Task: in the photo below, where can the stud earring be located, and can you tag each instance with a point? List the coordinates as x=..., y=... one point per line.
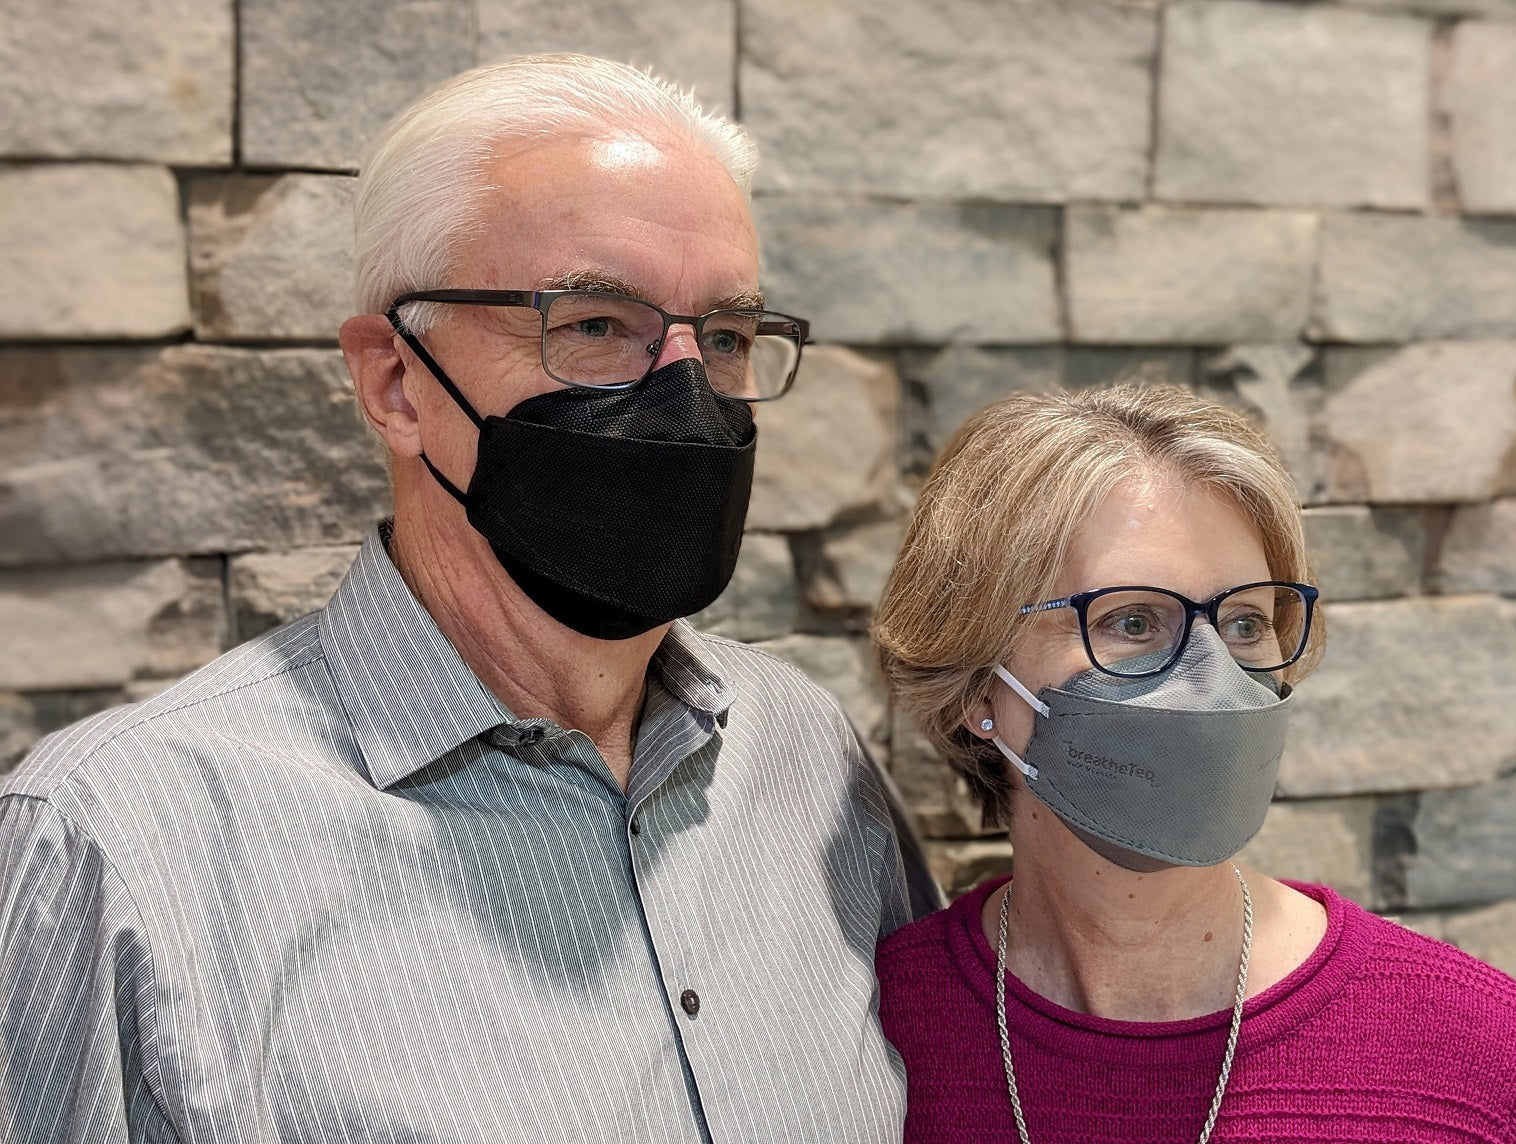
x=987, y=724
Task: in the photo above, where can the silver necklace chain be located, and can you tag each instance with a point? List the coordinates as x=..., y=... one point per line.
x=1231, y=1040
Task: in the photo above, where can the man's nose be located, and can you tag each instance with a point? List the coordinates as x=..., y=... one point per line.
x=679, y=342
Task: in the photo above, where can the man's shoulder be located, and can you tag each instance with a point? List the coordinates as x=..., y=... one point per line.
x=254, y=676
x=755, y=669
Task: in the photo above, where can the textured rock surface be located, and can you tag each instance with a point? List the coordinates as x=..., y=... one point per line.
x=1479, y=549
x=947, y=386
x=692, y=42
x=1411, y=694
x=1028, y=102
x=1332, y=110
x=79, y=78
x=26, y=718
x=951, y=383
x=1265, y=380
x=1480, y=101
x=266, y=589
x=847, y=568
x=940, y=800
x=826, y=448
x=960, y=866
x=1396, y=278
x=91, y=251
x=1503, y=8
x=1159, y=275
x=188, y=449
x=761, y=601
x=271, y=257
x=18, y=728
x=900, y=272
x=103, y=624
x=1464, y=851
x=1329, y=840
x=1364, y=553
x=319, y=80
x=1085, y=366
x=1435, y=421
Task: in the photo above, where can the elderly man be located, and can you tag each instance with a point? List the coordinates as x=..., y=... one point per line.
x=494, y=846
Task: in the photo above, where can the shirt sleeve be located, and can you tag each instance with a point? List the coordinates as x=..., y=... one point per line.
x=923, y=894
x=75, y=988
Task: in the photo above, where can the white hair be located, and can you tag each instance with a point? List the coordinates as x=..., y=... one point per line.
x=422, y=183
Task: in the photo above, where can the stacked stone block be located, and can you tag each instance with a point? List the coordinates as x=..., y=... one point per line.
x=1305, y=210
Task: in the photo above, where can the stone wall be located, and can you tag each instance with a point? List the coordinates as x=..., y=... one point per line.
x=1305, y=210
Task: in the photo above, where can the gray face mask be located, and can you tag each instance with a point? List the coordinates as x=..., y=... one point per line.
x=1171, y=769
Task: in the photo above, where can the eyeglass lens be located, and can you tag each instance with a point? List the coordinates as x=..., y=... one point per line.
x=599, y=339
x=1263, y=627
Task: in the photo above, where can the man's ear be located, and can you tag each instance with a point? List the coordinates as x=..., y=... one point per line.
x=378, y=370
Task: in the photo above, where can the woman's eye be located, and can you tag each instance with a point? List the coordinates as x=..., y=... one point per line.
x=1247, y=628
x=1133, y=625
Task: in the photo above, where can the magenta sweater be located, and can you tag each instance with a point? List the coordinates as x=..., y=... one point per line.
x=1383, y=1035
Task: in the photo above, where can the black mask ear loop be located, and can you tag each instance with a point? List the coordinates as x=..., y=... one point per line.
x=410, y=339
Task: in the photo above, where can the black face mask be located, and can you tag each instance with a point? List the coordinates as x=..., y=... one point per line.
x=615, y=511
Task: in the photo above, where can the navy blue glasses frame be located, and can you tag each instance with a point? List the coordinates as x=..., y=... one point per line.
x=1081, y=601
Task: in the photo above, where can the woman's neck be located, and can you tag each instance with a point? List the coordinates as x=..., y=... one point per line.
x=1097, y=938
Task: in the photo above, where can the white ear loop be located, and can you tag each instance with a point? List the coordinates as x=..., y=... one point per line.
x=1015, y=685
x=1036, y=704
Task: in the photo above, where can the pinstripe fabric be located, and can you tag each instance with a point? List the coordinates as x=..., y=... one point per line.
x=328, y=889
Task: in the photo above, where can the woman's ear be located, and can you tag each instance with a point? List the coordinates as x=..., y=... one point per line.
x=980, y=720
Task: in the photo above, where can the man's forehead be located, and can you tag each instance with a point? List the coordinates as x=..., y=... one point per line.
x=653, y=217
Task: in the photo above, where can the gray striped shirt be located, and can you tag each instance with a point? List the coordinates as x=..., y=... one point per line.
x=328, y=889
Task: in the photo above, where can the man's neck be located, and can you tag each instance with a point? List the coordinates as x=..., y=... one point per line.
x=535, y=666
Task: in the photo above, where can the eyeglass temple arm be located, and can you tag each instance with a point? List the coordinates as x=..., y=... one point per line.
x=430, y=362
x=1045, y=606
x=524, y=298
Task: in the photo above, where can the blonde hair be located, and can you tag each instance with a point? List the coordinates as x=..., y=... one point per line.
x=995, y=521
x=422, y=182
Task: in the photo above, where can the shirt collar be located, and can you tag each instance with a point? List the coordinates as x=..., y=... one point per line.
x=408, y=694
x=684, y=664
x=410, y=697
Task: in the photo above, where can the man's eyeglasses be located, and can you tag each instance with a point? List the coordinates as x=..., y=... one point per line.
x=1135, y=631
x=600, y=340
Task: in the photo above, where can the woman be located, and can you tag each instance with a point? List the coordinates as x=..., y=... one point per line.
x=1097, y=616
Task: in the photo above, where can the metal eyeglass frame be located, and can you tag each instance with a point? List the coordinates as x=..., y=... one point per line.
x=540, y=300
x=1081, y=601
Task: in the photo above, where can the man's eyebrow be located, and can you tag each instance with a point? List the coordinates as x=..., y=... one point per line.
x=614, y=284
x=592, y=280
x=747, y=300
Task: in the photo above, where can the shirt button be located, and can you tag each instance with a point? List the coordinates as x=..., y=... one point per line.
x=636, y=827
x=689, y=1001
